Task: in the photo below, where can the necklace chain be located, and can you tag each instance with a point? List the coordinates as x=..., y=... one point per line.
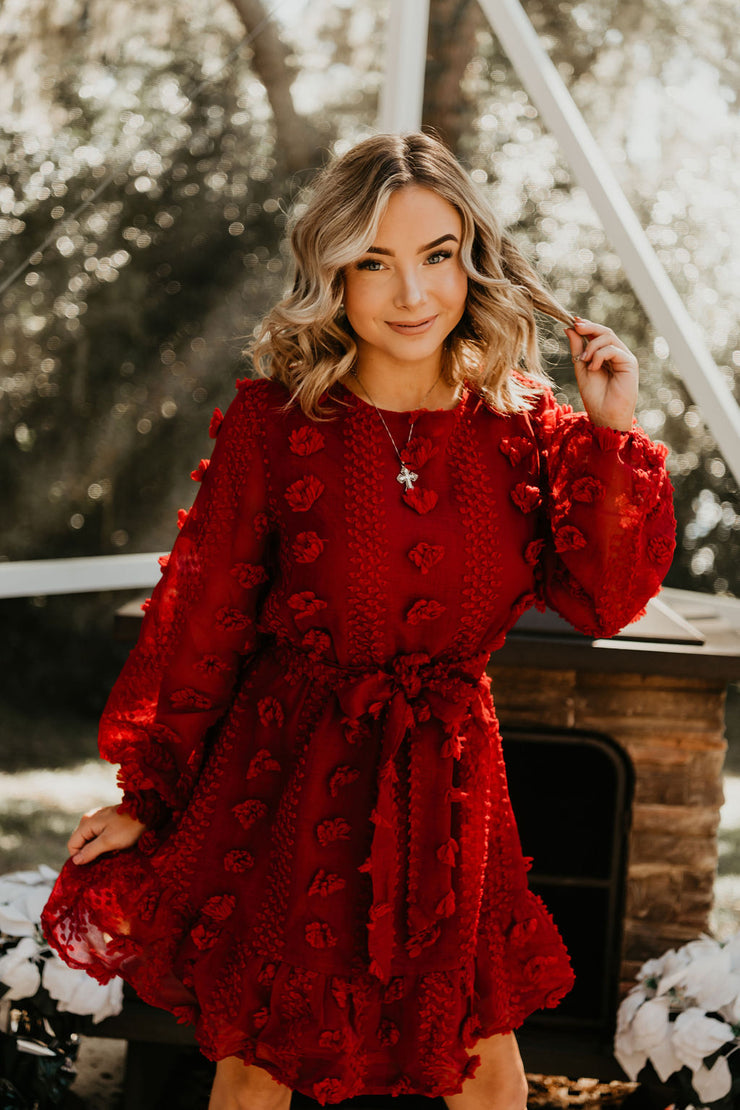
x=405, y=476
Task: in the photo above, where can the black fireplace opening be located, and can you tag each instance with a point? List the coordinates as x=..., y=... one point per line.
x=572, y=797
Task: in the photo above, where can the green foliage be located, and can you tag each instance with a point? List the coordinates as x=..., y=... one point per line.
x=127, y=328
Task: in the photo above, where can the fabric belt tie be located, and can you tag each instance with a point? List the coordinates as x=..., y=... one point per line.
x=401, y=697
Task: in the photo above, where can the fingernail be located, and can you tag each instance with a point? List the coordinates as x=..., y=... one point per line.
x=77, y=858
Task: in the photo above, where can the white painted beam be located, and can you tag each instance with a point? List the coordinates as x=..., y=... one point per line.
x=662, y=303
x=40, y=577
x=402, y=94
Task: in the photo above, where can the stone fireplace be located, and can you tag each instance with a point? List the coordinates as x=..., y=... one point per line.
x=653, y=699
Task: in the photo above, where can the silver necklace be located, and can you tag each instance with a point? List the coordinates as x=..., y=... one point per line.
x=405, y=476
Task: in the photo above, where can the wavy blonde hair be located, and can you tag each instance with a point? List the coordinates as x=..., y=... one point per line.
x=306, y=342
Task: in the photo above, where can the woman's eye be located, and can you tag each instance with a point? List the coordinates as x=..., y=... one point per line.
x=439, y=256
x=370, y=264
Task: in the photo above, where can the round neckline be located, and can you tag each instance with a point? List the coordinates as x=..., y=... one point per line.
x=464, y=394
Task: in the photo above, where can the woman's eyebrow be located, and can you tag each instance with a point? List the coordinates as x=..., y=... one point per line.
x=427, y=247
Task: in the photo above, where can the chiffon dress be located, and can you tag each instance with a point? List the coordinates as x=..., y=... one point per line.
x=331, y=884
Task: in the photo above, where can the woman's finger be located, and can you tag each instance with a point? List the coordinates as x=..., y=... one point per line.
x=619, y=358
x=600, y=346
x=586, y=328
x=577, y=345
x=92, y=850
x=92, y=824
x=598, y=343
x=84, y=832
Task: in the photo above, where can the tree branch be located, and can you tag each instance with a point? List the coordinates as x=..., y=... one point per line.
x=296, y=140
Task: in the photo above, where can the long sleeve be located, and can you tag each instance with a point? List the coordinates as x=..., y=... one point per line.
x=609, y=526
x=199, y=624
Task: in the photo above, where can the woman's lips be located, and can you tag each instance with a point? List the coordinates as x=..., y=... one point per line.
x=414, y=328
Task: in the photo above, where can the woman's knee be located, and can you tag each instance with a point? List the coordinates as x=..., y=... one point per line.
x=499, y=1081
x=238, y=1086
x=509, y=1092
x=519, y=1094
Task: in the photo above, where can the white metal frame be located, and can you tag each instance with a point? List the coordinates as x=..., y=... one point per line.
x=41, y=577
x=402, y=94
x=652, y=285
x=401, y=110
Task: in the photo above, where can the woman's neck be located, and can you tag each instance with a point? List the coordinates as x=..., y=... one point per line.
x=402, y=391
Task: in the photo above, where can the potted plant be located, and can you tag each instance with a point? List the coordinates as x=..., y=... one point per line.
x=42, y=1000
x=678, y=1029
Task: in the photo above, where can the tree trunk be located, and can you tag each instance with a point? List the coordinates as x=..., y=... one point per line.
x=296, y=140
x=451, y=46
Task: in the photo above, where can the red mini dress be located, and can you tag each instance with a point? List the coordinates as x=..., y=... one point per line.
x=331, y=884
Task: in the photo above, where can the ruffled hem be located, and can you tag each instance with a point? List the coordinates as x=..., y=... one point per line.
x=329, y=1036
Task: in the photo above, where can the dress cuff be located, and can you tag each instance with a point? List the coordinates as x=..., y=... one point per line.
x=635, y=442
x=146, y=806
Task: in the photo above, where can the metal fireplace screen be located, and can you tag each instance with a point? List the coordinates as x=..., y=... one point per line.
x=572, y=795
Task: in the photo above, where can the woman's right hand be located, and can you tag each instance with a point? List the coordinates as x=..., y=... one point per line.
x=103, y=830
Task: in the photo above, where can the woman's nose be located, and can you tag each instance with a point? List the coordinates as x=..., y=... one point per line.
x=409, y=289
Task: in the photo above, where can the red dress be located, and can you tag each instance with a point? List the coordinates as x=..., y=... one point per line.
x=331, y=884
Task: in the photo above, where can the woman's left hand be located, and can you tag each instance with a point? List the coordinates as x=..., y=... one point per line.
x=607, y=374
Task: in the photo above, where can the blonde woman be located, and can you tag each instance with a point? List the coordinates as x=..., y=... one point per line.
x=315, y=859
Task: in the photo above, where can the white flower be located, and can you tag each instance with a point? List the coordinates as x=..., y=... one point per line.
x=670, y=961
x=77, y=992
x=631, y=1059
x=713, y=1083
x=653, y=969
x=665, y=1060
x=696, y=1036
x=650, y=1026
x=18, y=972
x=646, y=1034
x=731, y=1012
x=629, y=1007
x=733, y=947
x=708, y=979
x=704, y=946
x=23, y=895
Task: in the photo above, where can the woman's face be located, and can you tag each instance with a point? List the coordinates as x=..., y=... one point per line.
x=407, y=292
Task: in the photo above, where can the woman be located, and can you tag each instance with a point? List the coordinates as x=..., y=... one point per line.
x=315, y=858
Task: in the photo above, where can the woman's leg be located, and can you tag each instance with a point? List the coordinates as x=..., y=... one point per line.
x=499, y=1082
x=237, y=1086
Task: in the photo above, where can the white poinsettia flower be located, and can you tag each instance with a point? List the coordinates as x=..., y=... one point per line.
x=653, y=969
x=631, y=1059
x=650, y=1025
x=629, y=1007
x=23, y=895
x=670, y=961
x=40, y=875
x=733, y=947
x=713, y=1083
x=731, y=1012
x=78, y=993
x=696, y=1036
x=703, y=946
x=665, y=1059
x=708, y=980
x=19, y=972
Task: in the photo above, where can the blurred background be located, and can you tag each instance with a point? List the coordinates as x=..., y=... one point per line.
x=148, y=160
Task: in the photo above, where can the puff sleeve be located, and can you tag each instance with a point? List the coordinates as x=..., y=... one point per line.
x=199, y=625
x=609, y=527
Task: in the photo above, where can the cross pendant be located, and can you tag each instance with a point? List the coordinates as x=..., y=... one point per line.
x=406, y=477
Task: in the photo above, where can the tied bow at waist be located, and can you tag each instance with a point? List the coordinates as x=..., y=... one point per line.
x=403, y=698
